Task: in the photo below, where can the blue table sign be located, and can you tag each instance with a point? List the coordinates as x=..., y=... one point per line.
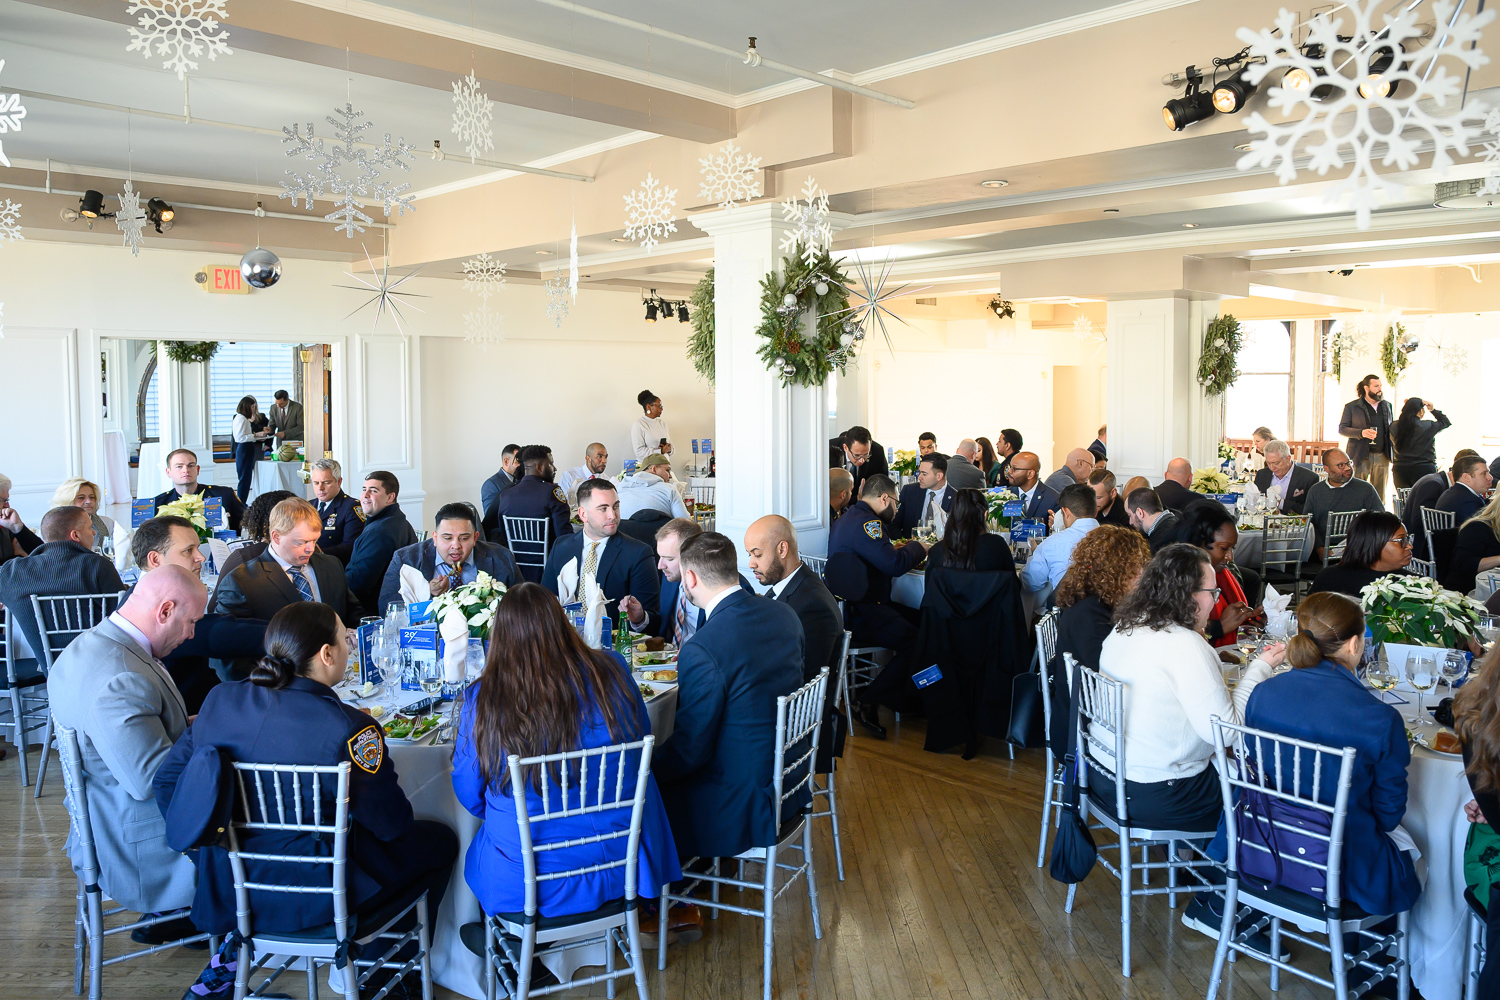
x=928, y=677
x=695, y=446
x=213, y=512
x=1014, y=508
x=708, y=445
x=419, y=612
x=369, y=673
x=141, y=511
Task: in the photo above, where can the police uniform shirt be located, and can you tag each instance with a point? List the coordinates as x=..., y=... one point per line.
x=862, y=532
x=533, y=496
x=342, y=518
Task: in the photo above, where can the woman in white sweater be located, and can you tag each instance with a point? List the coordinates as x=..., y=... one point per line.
x=111, y=538
x=1173, y=684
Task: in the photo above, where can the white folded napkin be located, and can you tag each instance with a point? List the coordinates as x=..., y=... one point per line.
x=593, y=604
x=1403, y=841
x=454, y=628
x=1279, y=620
x=567, y=581
x=415, y=587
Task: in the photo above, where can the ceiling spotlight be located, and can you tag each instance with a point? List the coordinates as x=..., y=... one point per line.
x=1190, y=225
x=1296, y=78
x=543, y=253
x=1242, y=147
x=619, y=239
x=650, y=312
x=682, y=313
x=1111, y=211
x=1231, y=95
x=994, y=184
x=1193, y=106
x=91, y=205
x=159, y=214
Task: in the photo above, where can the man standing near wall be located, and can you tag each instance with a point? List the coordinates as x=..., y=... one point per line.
x=1367, y=424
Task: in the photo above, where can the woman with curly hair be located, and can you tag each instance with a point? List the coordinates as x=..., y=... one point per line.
x=1476, y=717
x=255, y=536
x=1105, y=567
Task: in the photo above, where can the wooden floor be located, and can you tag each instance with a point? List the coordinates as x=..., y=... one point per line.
x=943, y=900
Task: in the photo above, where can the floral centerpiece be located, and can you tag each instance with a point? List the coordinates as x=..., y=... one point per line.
x=477, y=601
x=1226, y=450
x=190, y=507
x=1415, y=610
x=904, y=463
x=1209, y=480
x=995, y=500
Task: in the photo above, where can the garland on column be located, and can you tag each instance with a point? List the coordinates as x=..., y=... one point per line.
x=797, y=356
x=189, y=352
x=700, y=349
x=1218, y=367
x=1393, y=354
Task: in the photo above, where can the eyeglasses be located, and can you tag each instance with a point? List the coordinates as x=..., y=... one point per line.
x=1404, y=541
x=1342, y=465
x=1215, y=591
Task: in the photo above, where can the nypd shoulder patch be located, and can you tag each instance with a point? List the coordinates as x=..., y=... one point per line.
x=367, y=749
x=562, y=497
x=359, y=512
x=875, y=530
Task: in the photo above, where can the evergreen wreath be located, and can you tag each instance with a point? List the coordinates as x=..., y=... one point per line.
x=700, y=350
x=1393, y=360
x=1218, y=367
x=784, y=298
x=190, y=352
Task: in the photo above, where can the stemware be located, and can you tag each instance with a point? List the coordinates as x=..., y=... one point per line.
x=1455, y=667
x=1489, y=628
x=1422, y=674
x=1380, y=676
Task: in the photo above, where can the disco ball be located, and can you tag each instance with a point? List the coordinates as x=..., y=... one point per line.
x=261, y=268
x=1409, y=342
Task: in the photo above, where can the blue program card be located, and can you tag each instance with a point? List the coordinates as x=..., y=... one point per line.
x=928, y=677
x=419, y=612
x=419, y=645
x=1014, y=508
x=213, y=512
x=141, y=511
x=369, y=673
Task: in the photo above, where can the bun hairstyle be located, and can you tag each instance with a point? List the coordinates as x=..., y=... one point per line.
x=295, y=635
x=1325, y=623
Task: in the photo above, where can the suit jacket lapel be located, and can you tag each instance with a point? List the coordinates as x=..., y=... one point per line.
x=427, y=559
x=278, y=578
x=607, y=559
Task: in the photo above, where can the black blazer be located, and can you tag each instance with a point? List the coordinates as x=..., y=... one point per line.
x=625, y=568
x=1357, y=418
x=1462, y=501
x=378, y=541
x=913, y=502
x=1043, y=502
x=823, y=631
x=1164, y=531
x=1174, y=496
x=52, y=570
x=490, y=558
x=714, y=771
x=1417, y=449
x=875, y=465
x=259, y=587
x=215, y=637
x=1295, y=502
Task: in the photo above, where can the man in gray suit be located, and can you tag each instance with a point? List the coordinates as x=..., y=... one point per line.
x=285, y=416
x=110, y=686
x=963, y=473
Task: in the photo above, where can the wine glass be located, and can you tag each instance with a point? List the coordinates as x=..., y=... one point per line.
x=1489, y=628
x=1453, y=668
x=1380, y=676
x=1422, y=673
x=430, y=676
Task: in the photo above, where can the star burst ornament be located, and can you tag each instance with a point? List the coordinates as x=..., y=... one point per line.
x=10, y=221
x=1348, y=109
x=730, y=176
x=649, y=213
x=1453, y=357
x=131, y=218
x=179, y=29
x=484, y=276
x=810, y=214
x=573, y=261
x=483, y=327
x=473, y=116
x=386, y=298
x=11, y=113
x=873, y=293
x=348, y=170
x=557, y=298
x=1084, y=330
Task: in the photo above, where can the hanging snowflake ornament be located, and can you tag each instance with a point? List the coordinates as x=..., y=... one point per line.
x=131, y=218
x=573, y=261
x=11, y=113
x=810, y=214
x=1454, y=359
x=348, y=169
x=730, y=176
x=649, y=213
x=10, y=221
x=557, y=298
x=386, y=298
x=483, y=327
x=1491, y=152
x=1360, y=86
x=473, y=116
x=484, y=276
x=181, y=30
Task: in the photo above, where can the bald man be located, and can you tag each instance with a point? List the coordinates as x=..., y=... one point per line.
x=109, y=686
x=1174, y=492
x=595, y=459
x=1037, y=500
x=771, y=544
x=840, y=492
x=963, y=468
x=1075, y=469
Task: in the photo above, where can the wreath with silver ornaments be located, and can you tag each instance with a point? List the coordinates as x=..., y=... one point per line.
x=796, y=353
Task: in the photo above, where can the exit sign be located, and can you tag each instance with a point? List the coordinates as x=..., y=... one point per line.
x=224, y=279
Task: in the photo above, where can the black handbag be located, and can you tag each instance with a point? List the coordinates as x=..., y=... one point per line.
x=1026, y=715
x=1073, y=850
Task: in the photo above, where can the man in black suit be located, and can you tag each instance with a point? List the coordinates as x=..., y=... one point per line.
x=1109, y=505
x=1150, y=518
x=1426, y=492
x=1366, y=422
x=343, y=517
x=386, y=530
x=859, y=454
x=1173, y=491
x=1007, y=446
x=1465, y=498
x=62, y=564
x=452, y=557
x=621, y=566
x=182, y=469
x=1291, y=480
x=929, y=499
x=508, y=476
x=715, y=770
x=291, y=569
x=1037, y=501
x=535, y=496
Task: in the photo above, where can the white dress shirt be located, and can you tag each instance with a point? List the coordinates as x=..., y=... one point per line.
x=570, y=480
x=777, y=588
x=306, y=571
x=128, y=627
x=646, y=434
x=1283, y=485
x=714, y=601
x=933, y=504
x=243, y=433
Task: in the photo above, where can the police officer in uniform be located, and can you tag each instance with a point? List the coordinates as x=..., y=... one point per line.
x=862, y=561
x=536, y=495
x=342, y=516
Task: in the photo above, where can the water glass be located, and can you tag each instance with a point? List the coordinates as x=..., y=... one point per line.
x=1489, y=628
x=1455, y=667
x=1422, y=673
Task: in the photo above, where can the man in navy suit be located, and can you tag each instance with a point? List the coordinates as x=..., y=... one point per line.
x=1465, y=498
x=182, y=469
x=678, y=618
x=715, y=770
x=508, y=475
x=927, y=500
x=452, y=557
x=1038, y=501
x=343, y=517
x=622, y=566
x=535, y=496
x=386, y=530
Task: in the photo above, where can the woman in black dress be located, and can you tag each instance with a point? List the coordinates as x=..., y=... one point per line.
x=1377, y=544
x=1477, y=549
x=1412, y=439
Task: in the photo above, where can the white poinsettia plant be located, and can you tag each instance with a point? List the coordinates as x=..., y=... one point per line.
x=476, y=601
x=190, y=507
x=995, y=500
x=1209, y=480
x=1415, y=610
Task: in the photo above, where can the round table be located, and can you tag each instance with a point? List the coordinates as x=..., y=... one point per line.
x=1436, y=791
x=908, y=589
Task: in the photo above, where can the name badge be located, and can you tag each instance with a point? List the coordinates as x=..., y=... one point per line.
x=928, y=677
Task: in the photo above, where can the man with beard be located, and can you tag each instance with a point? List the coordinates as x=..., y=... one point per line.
x=1367, y=424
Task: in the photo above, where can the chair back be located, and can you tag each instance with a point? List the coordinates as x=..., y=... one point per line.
x=816, y=564
x=528, y=539
x=1433, y=519
x=1101, y=730
x=75, y=798
x=7, y=646
x=1262, y=780
x=280, y=797
x=1338, y=527
x=643, y=526
x=1046, y=649
x=799, y=718
x=590, y=781
x=63, y=618
x=1281, y=548
x=1398, y=502
x=1422, y=567
x=703, y=494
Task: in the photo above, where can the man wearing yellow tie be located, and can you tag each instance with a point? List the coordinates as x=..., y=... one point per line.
x=622, y=567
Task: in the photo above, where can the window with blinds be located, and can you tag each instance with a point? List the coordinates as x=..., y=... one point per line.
x=247, y=369
x=152, y=418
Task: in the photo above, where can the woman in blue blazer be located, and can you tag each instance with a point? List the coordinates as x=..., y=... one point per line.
x=543, y=692
x=1323, y=702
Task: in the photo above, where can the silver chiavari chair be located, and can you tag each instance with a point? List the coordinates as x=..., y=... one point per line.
x=1475, y=948
x=816, y=564
x=828, y=791
x=1335, y=534
x=59, y=620
x=1053, y=779
x=26, y=685
x=529, y=539
x=1398, y=503
x=1435, y=520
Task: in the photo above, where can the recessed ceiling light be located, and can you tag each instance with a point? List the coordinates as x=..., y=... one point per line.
x=1294, y=250
x=994, y=184
x=1243, y=147
x=1111, y=211
x=619, y=239
x=544, y=253
x=1190, y=225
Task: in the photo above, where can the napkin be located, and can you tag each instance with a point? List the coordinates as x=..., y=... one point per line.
x=454, y=628
x=1279, y=621
x=567, y=581
x=414, y=586
x=593, y=605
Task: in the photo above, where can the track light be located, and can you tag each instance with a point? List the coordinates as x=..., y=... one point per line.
x=91, y=205
x=682, y=313
x=1190, y=108
x=1230, y=96
x=650, y=312
x=159, y=213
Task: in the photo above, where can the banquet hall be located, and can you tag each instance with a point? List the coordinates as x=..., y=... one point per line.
x=448, y=274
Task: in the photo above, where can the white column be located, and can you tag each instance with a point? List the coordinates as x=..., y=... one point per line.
x=771, y=440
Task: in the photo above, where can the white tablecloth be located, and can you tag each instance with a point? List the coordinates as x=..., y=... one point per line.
x=1247, y=551
x=116, y=478
x=272, y=476
x=1436, y=793
x=151, y=472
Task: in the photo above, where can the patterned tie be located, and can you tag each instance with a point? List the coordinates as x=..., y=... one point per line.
x=687, y=623
x=931, y=513
x=590, y=565
x=299, y=580
x=455, y=577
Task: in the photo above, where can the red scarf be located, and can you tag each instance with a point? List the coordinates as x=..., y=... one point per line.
x=1230, y=592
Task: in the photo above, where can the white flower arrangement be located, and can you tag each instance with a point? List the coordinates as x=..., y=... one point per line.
x=1209, y=480
x=476, y=601
x=1416, y=610
x=190, y=507
x=995, y=500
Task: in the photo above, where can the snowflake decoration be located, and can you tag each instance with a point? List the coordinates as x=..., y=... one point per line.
x=131, y=218
x=870, y=311
x=326, y=170
x=1492, y=152
x=730, y=176
x=386, y=298
x=10, y=221
x=1453, y=357
x=649, y=213
x=179, y=29
x=573, y=261
x=810, y=214
x=1345, y=126
x=484, y=276
x=11, y=113
x=483, y=327
x=1349, y=342
x=473, y=116
x=557, y=298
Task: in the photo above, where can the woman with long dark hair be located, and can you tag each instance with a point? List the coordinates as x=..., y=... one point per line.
x=1412, y=439
x=543, y=692
x=987, y=456
x=1211, y=528
x=247, y=444
x=1377, y=545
